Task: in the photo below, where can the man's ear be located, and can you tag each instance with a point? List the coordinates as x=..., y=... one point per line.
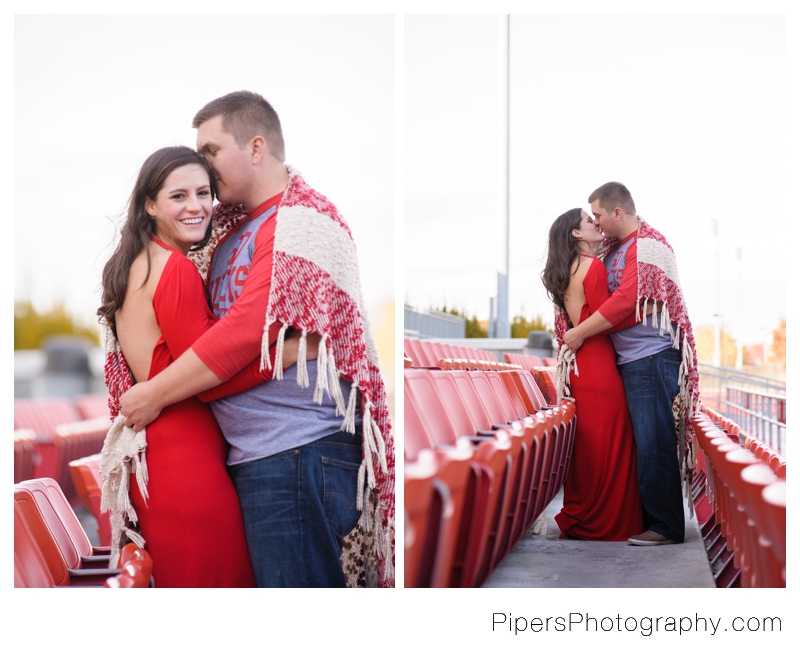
x=258, y=148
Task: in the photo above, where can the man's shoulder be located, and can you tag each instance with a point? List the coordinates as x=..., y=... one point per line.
x=646, y=231
x=301, y=196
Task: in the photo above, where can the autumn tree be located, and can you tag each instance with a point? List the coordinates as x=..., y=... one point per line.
x=704, y=344
x=31, y=327
x=520, y=326
x=779, y=343
x=472, y=325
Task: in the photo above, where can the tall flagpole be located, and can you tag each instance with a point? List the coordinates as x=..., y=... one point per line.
x=502, y=326
x=717, y=358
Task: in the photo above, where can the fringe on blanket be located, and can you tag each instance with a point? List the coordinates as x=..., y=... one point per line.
x=565, y=363
x=122, y=455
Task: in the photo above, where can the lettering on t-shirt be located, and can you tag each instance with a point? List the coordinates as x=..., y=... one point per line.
x=231, y=265
x=616, y=266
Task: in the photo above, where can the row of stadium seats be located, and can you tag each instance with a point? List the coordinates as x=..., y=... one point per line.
x=52, y=431
x=485, y=453
x=726, y=424
x=51, y=549
x=429, y=353
x=768, y=456
x=529, y=361
x=741, y=508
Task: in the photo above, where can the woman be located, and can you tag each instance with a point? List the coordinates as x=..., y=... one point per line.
x=601, y=495
x=155, y=305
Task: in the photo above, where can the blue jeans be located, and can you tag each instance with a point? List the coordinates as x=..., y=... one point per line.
x=651, y=384
x=298, y=506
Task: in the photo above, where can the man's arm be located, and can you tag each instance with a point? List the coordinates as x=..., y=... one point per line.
x=185, y=377
x=188, y=376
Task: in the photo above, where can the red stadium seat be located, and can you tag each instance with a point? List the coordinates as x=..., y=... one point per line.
x=30, y=568
x=89, y=486
x=547, y=386
x=90, y=556
x=731, y=469
x=66, y=531
x=760, y=553
x=24, y=454
x=76, y=440
x=43, y=415
x=774, y=527
x=93, y=406
x=54, y=544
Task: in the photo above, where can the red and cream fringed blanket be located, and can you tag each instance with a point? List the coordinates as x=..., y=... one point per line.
x=659, y=282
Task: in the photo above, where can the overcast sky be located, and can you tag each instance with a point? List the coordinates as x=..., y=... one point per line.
x=688, y=111
x=95, y=95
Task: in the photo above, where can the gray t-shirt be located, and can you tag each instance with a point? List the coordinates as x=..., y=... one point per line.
x=641, y=340
x=277, y=415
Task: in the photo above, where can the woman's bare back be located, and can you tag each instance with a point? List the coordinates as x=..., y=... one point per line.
x=575, y=296
x=137, y=327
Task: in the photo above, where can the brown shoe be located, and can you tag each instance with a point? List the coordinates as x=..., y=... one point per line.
x=650, y=538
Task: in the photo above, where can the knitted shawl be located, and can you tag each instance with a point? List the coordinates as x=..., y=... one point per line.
x=657, y=282
x=316, y=288
x=122, y=455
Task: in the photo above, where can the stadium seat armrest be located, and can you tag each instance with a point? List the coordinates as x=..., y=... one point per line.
x=102, y=550
x=95, y=561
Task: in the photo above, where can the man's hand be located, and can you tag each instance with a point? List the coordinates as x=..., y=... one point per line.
x=573, y=339
x=138, y=407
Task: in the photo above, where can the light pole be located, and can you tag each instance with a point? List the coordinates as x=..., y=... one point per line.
x=717, y=316
x=502, y=327
x=740, y=349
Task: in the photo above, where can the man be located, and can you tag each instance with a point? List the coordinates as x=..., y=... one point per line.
x=656, y=358
x=288, y=264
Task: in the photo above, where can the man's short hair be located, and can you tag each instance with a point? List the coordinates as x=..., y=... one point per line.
x=612, y=195
x=244, y=115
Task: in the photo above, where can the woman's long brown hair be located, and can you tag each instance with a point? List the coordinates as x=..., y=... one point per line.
x=562, y=250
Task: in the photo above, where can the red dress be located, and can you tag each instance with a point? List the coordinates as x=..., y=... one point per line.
x=192, y=521
x=601, y=493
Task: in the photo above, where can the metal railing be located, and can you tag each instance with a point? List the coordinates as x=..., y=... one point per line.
x=757, y=404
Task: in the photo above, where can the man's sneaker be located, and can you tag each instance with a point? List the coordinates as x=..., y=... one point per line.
x=650, y=538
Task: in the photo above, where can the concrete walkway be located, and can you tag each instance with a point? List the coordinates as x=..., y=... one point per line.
x=547, y=561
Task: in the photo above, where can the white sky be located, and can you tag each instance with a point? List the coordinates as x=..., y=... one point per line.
x=687, y=111
x=95, y=95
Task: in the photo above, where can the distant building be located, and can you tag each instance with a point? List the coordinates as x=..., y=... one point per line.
x=432, y=324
